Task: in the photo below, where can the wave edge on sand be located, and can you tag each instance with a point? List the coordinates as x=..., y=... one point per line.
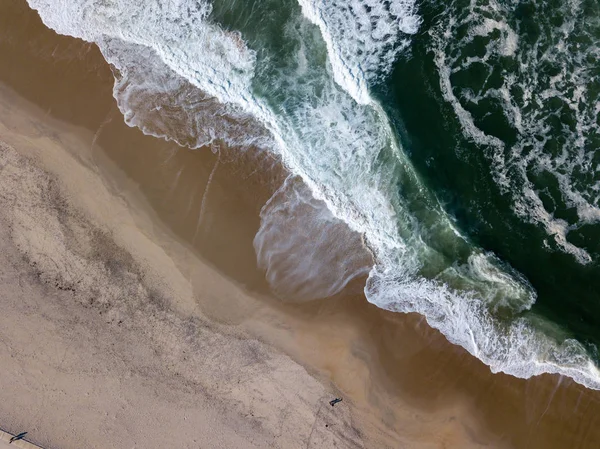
x=457, y=300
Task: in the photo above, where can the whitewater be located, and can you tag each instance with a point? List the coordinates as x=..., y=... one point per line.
x=548, y=96
x=175, y=63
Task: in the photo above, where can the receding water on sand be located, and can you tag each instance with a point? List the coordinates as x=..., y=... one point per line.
x=308, y=82
x=217, y=202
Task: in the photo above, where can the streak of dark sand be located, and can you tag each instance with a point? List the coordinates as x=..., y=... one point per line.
x=380, y=359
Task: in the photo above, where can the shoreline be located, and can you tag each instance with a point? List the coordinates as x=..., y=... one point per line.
x=459, y=283
x=363, y=350
x=107, y=333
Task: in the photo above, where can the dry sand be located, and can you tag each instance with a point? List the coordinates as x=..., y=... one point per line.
x=96, y=347
x=126, y=324
x=20, y=443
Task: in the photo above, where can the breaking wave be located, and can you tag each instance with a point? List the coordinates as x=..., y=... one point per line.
x=294, y=80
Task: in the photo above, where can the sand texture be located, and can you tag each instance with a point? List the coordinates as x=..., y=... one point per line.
x=87, y=334
x=133, y=313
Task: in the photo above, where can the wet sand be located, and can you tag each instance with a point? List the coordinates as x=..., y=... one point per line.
x=403, y=384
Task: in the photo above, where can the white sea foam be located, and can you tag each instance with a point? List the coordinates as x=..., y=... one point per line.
x=363, y=38
x=517, y=349
x=163, y=104
x=341, y=144
x=550, y=80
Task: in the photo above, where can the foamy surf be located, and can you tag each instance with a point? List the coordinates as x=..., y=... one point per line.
x=317, y=114
x=546, y=95
x=363, y=38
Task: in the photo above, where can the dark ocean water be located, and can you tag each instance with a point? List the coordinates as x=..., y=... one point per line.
x=461, y=171
x=457, y=139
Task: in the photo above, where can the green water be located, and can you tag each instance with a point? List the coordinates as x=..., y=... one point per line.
x=528, y=57
x=460, y=171
x=458, y=138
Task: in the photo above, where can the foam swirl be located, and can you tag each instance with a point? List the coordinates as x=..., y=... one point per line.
x=278, y=91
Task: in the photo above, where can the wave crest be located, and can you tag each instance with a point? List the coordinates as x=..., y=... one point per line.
x=363, y=38
x=320, y=119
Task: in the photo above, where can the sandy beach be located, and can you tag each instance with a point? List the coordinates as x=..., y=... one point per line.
x=133, y=313
x=95, y=334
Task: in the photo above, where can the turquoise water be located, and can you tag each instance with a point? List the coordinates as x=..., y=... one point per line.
x=457, y=140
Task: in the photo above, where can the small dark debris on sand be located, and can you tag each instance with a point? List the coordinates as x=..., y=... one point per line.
x=335, y=401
